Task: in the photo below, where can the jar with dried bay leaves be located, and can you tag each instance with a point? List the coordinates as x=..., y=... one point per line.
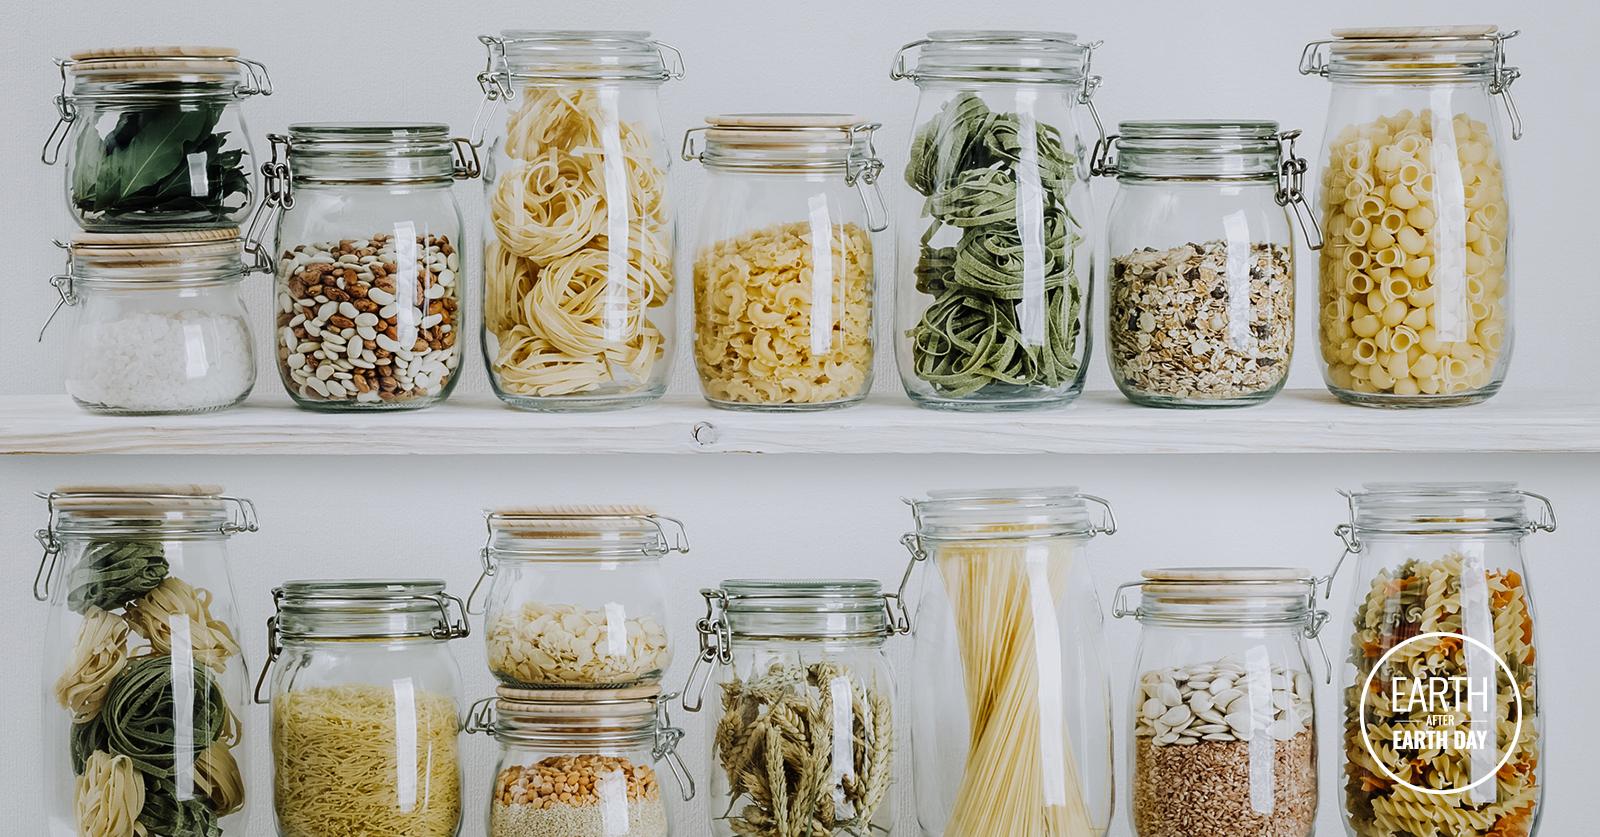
x=1224, y=734
x=1202, y=264
x=802, y=725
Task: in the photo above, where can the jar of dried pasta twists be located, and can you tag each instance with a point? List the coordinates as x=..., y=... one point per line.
x=365, y=707
x=1224, y=738
x=802, y=681
x=145, y=678
x=783, y=259
x=1414, y=286
x=1011, y=728
x=581, y=762
x=578, y=229
x=995, y=236
x=1443, y=728
x=574, y=595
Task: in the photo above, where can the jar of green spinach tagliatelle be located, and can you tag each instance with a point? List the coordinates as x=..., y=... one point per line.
x=995, y=229
x=154, y=138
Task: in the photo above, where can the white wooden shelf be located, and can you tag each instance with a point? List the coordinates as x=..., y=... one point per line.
x=1099, y=423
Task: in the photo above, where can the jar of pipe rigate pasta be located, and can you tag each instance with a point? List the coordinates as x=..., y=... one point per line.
x=145, y=684
x=368, y=300
x=1443, y=727
x=784, y=275
x=156, y=322
x=578, y=227
x=155, y=138
x=1222, y=708
x=1011, y=728
x=575, y=596
x=802, y=679
x=366, y=707
x=1201, y=307
x=996, y=236
x=1414, y=288
x=582, y=762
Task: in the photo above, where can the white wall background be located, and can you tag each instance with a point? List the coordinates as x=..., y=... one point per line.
x=808, y=515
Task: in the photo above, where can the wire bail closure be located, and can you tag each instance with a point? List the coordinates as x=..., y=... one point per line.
x=675, y=540
x=716, y=647
x=1311, y=628
x=1291, y=188
x=862, y=165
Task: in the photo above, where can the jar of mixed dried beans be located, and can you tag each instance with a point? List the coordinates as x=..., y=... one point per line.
x=368, y=271
x=1202, y=260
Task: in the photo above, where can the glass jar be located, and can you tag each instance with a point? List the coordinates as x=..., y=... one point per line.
x=1443, y=722
x=581, y=762
x=155, y=137
x=1224, y=736
x=158, y=322
x=578, y=232
x=368, y=293
x=576, y=595
x=803, y=680
x=1011, y=726
x=1201, y=310
x=784, y=276
x=1415, y=283
x=144, y=677
x=366, y=707
x=995, y=239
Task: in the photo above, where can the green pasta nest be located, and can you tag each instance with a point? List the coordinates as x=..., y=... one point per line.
x=138, y=720
x=113, y=573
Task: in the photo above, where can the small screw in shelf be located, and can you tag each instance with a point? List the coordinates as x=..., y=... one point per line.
x=705, y=433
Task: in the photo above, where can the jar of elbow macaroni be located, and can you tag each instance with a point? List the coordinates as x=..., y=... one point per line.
x=783, y=259
x=1415, y=280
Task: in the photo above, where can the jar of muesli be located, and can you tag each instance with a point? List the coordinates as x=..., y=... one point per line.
x=1224, y=738
x=1202, y=262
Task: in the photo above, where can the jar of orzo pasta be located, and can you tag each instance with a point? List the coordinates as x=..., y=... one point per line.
x=784, y=274
x=1414, y=288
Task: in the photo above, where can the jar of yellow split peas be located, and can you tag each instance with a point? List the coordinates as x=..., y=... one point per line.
x=1415, y=280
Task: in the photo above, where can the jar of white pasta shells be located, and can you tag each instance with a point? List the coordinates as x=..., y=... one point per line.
x=575, y=597
x=784, y=274
x=145, y=680
x=1415, y=280
x=1443, y=716
x=578, y=231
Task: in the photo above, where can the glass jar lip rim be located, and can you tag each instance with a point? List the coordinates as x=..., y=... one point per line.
x=310, y=593
x=1207, y=130
x=999, y=55
x=558, y=55
x=216, y=255
x=977, y=514
x=374, y=132
x=628, y=714
x=770, y=595
x=1439, y=508
x=142, y=509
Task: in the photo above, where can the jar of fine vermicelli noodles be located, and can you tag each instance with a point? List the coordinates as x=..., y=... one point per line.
x=1011, y=728
x=366, y=706
x=1414, y=289
x=784, y=273
x=578, y=229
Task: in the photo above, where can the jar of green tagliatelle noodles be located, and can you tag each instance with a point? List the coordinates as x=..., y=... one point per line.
x=994, y=237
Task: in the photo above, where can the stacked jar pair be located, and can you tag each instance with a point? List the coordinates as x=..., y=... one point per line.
x=159, y=175
x=576, y=632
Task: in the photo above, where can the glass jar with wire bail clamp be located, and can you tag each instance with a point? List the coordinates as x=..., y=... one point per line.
x=575, y=595
x=1223, y=737
x=145, y=680
x=366, y=707
x=1443, y=714
x=996, y=229
x=801, y=733
x=578, y=231
x=368, y=263
x=1201, y=310
x=1414, y=288
x=581, y=762
x=157, y=322
x=1011, y=729
x=784, y=269
x=155, y=137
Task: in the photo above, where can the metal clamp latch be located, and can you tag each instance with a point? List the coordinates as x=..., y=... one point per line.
x=1291, y=188
x=716, y=647
x=666, y=746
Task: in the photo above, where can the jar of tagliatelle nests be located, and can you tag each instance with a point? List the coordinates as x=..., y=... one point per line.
x=145, y=678
x=1414, y=287
x=574, y=596
x=581, y=762
x=578, y=228
x=784, y=270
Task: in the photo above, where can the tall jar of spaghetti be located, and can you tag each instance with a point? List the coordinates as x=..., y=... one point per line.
x=578, y=229
x=1415, y=280
x=1011, y=728
x=1443, y=716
